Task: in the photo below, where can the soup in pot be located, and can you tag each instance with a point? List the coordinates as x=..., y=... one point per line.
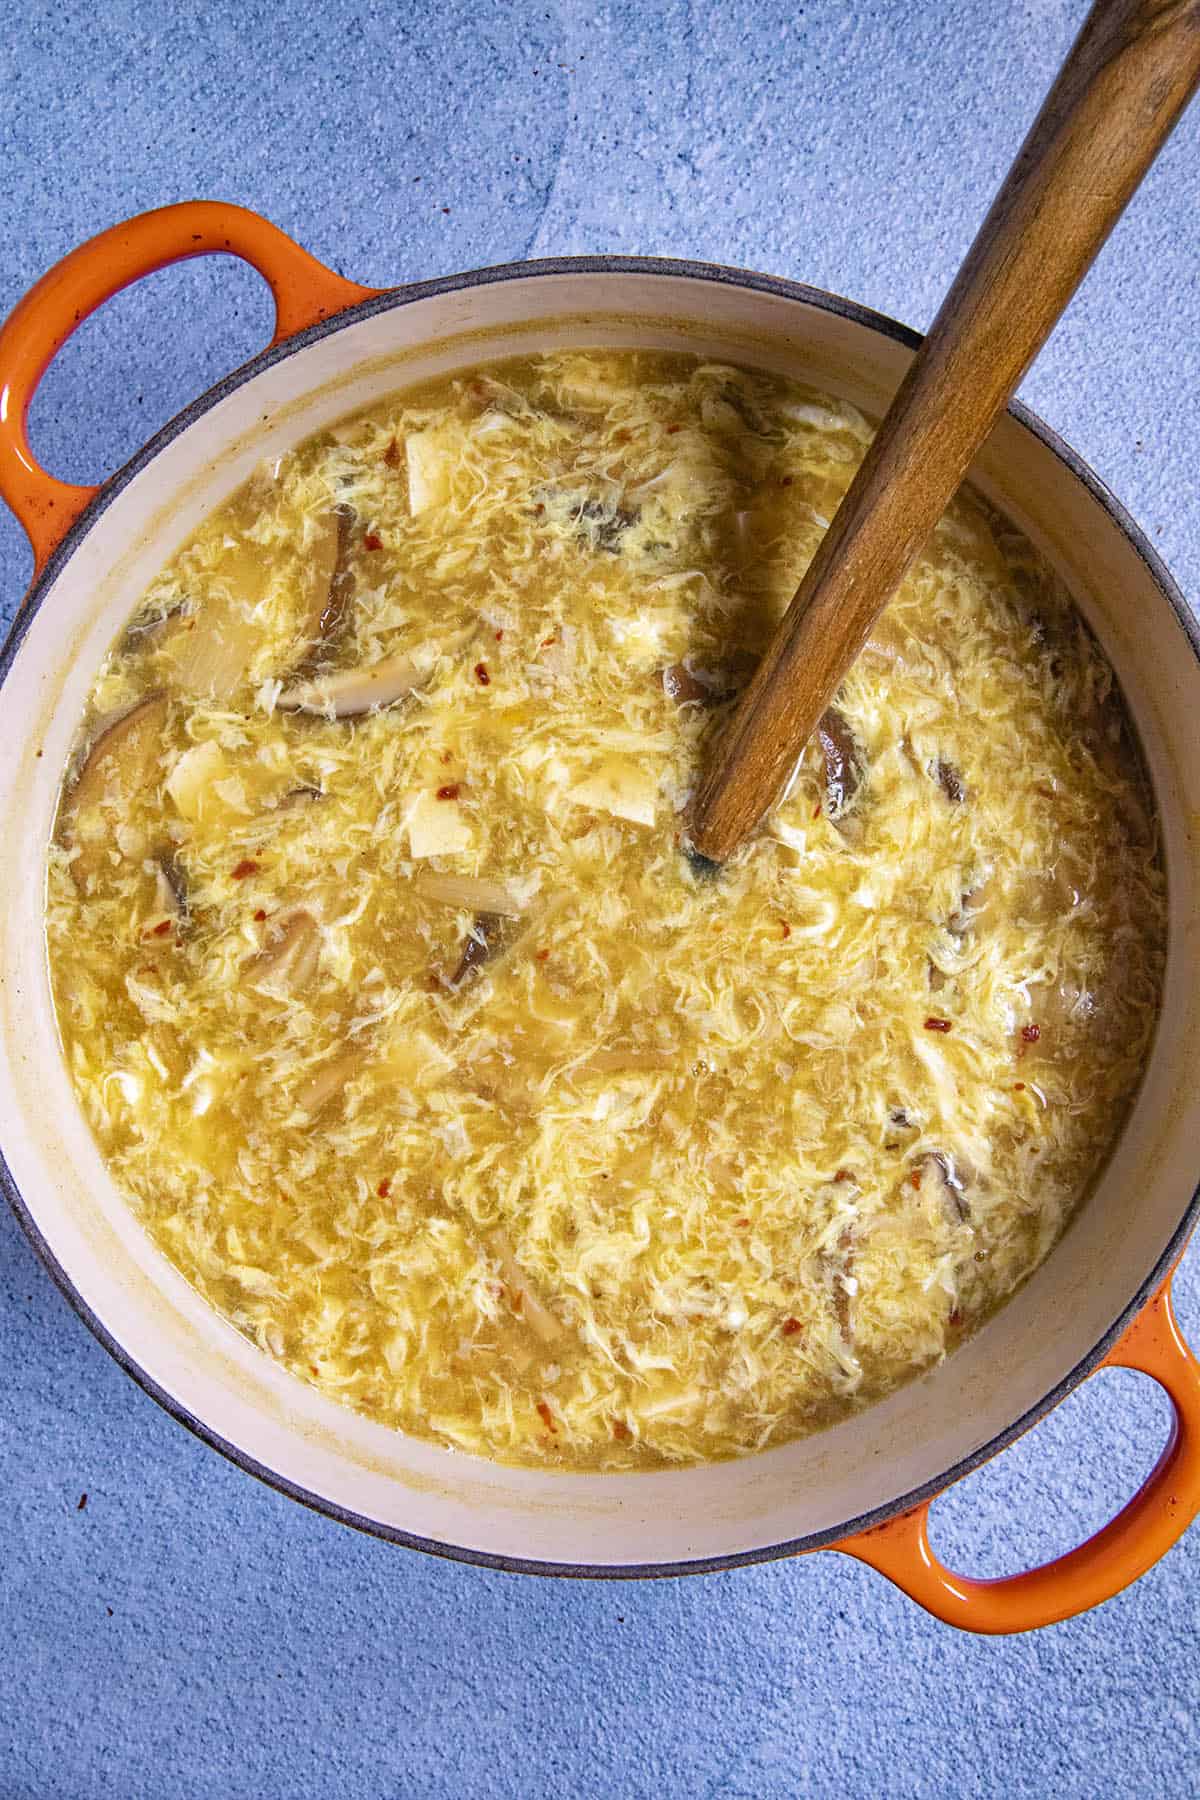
x=411, y=1033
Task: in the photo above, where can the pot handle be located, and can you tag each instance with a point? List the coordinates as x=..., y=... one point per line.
x=1143, y=1531
x=40, y=324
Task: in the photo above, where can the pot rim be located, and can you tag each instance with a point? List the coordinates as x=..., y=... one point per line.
x=44, y=579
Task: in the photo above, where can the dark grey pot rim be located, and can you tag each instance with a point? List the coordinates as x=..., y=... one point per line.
x=718, y=275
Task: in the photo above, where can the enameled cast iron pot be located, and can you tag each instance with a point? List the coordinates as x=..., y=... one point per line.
x=863, y=1487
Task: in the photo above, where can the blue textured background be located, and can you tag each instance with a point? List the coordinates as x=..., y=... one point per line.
x=191, y=1633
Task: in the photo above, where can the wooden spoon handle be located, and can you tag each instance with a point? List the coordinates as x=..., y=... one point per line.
x=1129, y=75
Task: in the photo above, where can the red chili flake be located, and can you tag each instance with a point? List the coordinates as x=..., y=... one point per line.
x=449, y=792
x=843, y=1175
x=932, y=1024
x=481, y=674
x=260, y=915
x=546, y=642
x=672, y=429
x=162, y=928
x=82, y=1503
x=742, y=1224
x=1030, y=1034
x=786, y=480
x=247, y=866
x=542, y=955
x=784, y=928
x=500, y=635
x=791, y=1327
x=313, y=1369
x=539, y=508
x=373, y=541
x=955, y=1318
x=1018, y=1087
x=546, y=1416
x=817, y=810
x=621, y=1431
x=384, y=1188
x=915, y=1178
x=391, y=455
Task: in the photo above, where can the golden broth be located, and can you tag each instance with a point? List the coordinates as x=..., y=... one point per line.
x=402, y=1018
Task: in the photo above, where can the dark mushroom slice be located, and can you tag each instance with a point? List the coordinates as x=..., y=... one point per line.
x=690, y=682
x=602, y=526
x=119, y=764
x=594, y=517
x=490, y=934
x=950, y=782
x=899, y=1119
x=329, y=589
x=299, y=797
x=348, y=693
x=844, y=764
x=170, y=887
x=953, y=1185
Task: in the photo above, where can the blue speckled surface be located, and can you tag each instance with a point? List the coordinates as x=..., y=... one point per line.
x=189, y=1632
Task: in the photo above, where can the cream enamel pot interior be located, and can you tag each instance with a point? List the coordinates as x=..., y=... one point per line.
x=863, y=1485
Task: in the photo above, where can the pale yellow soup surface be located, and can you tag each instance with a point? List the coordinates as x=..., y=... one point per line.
x=413, y=1036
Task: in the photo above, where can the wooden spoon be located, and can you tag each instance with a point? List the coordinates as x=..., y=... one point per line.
x=1129, y=75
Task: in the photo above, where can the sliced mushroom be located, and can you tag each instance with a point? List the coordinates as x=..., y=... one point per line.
x=602, y=526
x=120, y=763
x=843, y=762
x=526, y=1303
x=593, y=516
x=348, y=693
x=170, y=887
x=687, y=682
x=328, y=589
x=899, y=1119
x=288, y=962
x=950, y=782
x=952, y=1182
x=299, y=797
x=489, y=934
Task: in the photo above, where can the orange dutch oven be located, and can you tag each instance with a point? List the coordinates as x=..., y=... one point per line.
x=864, y=1486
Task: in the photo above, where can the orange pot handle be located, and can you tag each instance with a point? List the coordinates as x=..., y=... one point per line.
x=1159, y=1513
x=304, y=290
